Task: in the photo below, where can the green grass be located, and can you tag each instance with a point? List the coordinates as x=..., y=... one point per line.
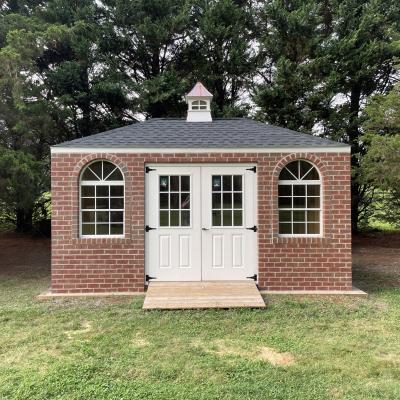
x=343, y=348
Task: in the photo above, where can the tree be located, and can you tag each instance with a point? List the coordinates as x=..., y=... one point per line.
x=223, y=52
x=290, y=92
x=21, y=183
x=348, y=52
x=142, y=44
x=380, y=166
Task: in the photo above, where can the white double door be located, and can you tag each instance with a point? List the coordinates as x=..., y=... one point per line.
x=201, y=223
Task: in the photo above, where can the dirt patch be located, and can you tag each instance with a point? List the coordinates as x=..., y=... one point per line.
x=86, y=327
x=233, y=348
x=275, y=358
x=139, y=341
x=376, y=261
x=24, y=255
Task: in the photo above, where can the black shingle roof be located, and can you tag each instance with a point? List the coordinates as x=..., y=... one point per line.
x=220, y=133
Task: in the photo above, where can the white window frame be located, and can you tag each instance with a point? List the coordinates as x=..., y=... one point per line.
x=196, y=105
x=301, y=182
x=95, y=184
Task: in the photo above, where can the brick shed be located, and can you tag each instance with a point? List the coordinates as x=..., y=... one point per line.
x=198, y=199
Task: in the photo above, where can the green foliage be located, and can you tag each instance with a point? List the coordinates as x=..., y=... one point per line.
x=72, y=68
x=380, y=166
x=322, y=61
x=22, y=182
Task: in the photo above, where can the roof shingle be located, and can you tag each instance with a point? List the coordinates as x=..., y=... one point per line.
x=220, y=133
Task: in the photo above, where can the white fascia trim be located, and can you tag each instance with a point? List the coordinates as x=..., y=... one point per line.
x=116, y=150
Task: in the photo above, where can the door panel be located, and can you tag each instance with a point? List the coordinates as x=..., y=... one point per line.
x=200, y=215
x=229, y=250
x=173, y=209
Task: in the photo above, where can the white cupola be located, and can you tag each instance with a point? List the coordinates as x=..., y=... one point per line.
x=199, y=102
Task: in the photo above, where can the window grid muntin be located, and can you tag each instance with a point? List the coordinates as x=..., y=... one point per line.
x=307, y=223
x=179, y=210
x=232, y=209
x=95, y=209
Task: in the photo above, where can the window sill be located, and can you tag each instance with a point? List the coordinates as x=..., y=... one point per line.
x=101, y=237
x=309, y=239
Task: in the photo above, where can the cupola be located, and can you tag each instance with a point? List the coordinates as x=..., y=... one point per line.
x=199, y=102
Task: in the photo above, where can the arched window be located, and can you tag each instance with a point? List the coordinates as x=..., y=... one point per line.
x=199, y=105
x=101, y=200
x=299, y=201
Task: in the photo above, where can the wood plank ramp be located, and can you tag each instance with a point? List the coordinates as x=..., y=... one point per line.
x=197, y=295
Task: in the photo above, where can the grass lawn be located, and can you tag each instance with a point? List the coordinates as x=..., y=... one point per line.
x=297, y=348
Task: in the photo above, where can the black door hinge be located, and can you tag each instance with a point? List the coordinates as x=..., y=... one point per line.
x=253, y=228
x=254, y=169
x=254, y=277
x=148, y=169
x=147, y=228
x=149, y=278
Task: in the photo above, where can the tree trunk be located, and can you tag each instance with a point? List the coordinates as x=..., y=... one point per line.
x=24, y=221
x=353, y=134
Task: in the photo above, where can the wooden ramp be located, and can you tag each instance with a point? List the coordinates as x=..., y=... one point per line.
x=194, y=295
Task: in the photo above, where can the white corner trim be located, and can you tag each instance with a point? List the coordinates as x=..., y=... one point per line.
x=126, y=150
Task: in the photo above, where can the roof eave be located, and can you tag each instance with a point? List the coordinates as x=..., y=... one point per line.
x=340, y=148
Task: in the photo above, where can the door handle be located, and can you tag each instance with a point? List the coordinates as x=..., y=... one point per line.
x=205, y=229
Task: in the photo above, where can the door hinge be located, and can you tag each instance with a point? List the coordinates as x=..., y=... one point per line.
x=147, y=228
x=254, y=277
x=253, y=228
x=254, y=169
x=148, y=169
x=149, y=278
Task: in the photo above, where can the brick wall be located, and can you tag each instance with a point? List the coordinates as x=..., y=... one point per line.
x=117, y=265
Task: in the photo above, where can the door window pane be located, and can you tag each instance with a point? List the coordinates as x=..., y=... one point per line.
x=185, y=218
x=174, y=182
x=174, y=200
x=237, y=218
x=237, y=183
x=216, y=218
x=185, y=183
x=227, y=200
x=185, y=200
x=237, y=200
x=164, y=183
x=216, y=200
x=216, y=184
x=227, y=218
x=164, y=200
x=174, y=218
x=164, y=218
